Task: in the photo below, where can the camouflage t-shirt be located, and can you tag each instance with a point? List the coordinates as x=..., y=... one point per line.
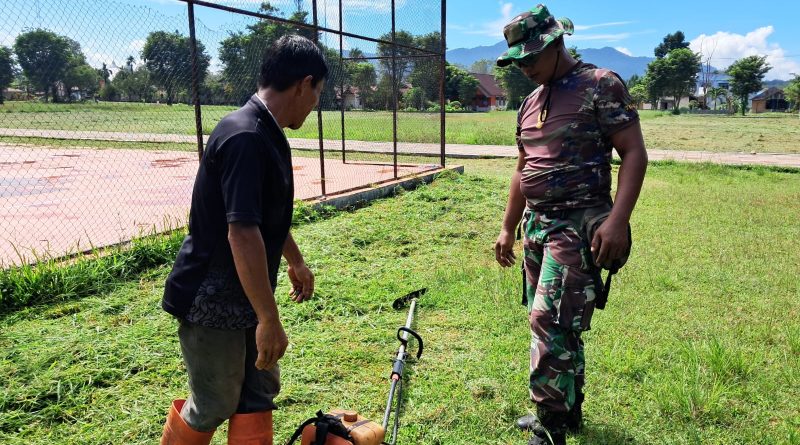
x=568, y=157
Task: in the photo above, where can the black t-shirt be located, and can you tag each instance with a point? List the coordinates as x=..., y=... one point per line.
x=245, y=176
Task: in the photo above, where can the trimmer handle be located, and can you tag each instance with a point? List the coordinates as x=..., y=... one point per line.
x=404, y=341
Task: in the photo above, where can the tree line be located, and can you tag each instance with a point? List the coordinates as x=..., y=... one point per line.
x=54, y=66
x=677, y=71
x=675, y=74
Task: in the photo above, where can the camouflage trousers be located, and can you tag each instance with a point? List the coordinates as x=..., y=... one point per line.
x=560, y=285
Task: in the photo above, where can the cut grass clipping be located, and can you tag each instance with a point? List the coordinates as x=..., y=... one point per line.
x=699, y=344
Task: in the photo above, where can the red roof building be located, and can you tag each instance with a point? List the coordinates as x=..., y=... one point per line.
x=489, y=95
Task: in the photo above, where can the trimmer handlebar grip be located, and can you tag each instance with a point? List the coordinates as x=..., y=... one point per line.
x=404, y=341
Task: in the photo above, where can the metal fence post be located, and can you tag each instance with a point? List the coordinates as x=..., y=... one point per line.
x=442, y=74
x=343, y=74
x=198, y=118
x=319, y=112
x=395, y=87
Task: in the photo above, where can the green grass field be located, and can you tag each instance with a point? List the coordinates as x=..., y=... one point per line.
x=699, y=344
x=769, y=133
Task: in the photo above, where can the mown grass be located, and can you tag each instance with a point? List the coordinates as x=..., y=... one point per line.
x=107, y=116
x=768, y=133
x=765, y=133
x=44, y=142
x=699, y=345
x=51, y=279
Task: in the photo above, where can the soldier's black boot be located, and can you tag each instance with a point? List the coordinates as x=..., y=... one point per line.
x=575, y=415
x=551, y=428
x=529, y=422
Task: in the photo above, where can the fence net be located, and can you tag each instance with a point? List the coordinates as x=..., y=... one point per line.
x=98, y=140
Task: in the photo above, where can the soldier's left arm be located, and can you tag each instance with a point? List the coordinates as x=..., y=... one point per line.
x=629, y=144
x=611, y=238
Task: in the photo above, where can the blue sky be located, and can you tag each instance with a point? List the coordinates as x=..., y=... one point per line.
x=722, y=30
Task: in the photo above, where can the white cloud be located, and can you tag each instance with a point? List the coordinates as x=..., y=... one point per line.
x=136, y=46
x=372, y=5
x=624, y=50
x=600, y=25
x=606, y=37
x=494, y=28
x=724, y=48
x=97, y=59
x=329, y=9
x=354, y=13
x=355, y=10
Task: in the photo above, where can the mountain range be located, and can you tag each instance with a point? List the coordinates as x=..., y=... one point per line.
x=623, y=64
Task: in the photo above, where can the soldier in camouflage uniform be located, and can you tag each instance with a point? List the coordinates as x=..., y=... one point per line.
x=566, y=130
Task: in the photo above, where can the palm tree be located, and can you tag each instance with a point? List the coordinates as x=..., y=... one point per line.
x=733, y=106
x=129, y=63
x=715, y=93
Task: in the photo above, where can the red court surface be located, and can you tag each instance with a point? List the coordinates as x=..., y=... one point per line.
x=55, y=202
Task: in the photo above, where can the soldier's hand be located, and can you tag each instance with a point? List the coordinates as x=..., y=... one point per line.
x=271, y=343
x=610, y=242
x=504, y=249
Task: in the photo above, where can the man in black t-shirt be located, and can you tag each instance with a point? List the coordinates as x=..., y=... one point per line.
x=222, y=285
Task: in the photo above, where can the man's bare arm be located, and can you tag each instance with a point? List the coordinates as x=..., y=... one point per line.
x=250, y=258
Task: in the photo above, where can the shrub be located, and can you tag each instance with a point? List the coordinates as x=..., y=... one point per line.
x=109, y=92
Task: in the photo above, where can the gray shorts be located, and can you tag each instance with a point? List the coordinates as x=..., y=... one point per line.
x=222, y=375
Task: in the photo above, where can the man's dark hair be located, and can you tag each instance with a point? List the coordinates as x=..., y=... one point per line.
x=289, y=60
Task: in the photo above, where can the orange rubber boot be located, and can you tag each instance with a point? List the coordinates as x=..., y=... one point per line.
x=250, y=429
x=178, y=432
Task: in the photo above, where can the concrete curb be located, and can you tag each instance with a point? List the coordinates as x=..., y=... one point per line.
x=382, y=190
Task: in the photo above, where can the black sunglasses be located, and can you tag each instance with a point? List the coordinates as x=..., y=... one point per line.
x=526, y=62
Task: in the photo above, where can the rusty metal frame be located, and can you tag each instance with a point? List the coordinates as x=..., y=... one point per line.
x=422, y=53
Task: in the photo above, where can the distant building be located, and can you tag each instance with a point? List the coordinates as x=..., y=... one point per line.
x=351, y=97
x=16, y=94
x=667, y=103
x=714, y=80
x=489, y=96
x=770, y=99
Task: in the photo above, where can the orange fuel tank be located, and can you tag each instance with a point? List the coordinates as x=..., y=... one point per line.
x=363, y=431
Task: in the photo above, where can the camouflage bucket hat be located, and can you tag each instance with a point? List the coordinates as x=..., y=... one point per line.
x=530, y=32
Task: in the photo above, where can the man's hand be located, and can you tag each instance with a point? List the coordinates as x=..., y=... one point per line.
x=271, y=343
x=504, y=248
x=610, y=242
x=302, y=282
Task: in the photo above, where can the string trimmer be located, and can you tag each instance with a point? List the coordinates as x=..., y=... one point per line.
x=345, y=427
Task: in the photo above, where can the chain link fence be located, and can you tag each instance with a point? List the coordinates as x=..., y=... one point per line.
x=106, y=106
